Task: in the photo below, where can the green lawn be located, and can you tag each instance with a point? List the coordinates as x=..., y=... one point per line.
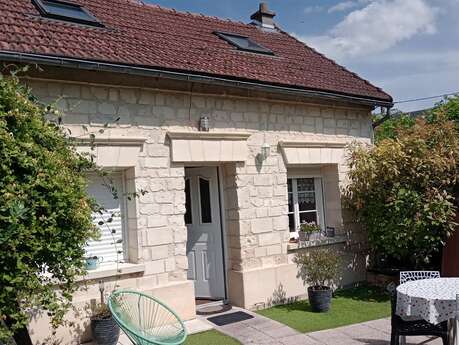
x=348, y=307
x=210, y=338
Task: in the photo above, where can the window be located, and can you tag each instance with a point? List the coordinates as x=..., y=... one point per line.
x=68, y=11
x=107, y=248
x=204, y=194
x=188, y=215
x=305, y=202
x=244, y=43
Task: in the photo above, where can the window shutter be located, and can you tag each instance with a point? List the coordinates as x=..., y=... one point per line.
x=106, y=247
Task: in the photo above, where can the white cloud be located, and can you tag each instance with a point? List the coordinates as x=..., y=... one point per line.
x=347, y=5
x=375, y=28
x=343, y=6
x=313, y=9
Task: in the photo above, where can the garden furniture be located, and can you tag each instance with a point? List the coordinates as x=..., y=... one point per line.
x=456, y=323
x=406, y=276
x=431, y=300
x=145, y=319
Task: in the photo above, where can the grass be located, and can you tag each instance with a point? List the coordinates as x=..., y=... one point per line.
x=348, y=307
x=210, y=338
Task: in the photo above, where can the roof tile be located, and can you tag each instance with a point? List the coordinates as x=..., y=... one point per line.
x=153, y=36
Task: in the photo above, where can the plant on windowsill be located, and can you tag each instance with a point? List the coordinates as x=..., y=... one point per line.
x=306, y=229
x=318, y=269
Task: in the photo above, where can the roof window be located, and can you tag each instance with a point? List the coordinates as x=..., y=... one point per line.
x=67, y=11
x=244, y=43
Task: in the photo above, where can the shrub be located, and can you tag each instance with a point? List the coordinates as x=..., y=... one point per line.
x=45, y=213
x=403, y=190
x=318, y=268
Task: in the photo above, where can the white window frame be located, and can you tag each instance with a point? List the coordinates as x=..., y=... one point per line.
x=124, y=216
x=320, y=202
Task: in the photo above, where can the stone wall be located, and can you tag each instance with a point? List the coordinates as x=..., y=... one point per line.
x=255, y=191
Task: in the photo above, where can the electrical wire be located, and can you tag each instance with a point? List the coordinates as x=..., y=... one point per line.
x=425, y=98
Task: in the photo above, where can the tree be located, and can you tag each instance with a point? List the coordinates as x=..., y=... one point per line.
x=403, y=189
x=45, y=213
x=447, y=108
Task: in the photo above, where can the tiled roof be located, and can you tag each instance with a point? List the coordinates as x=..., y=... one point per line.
x=154, y=37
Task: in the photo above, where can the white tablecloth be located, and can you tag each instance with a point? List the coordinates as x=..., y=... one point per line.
x=433, y=300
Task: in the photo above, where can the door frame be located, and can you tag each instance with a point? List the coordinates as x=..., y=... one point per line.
x=223, y=230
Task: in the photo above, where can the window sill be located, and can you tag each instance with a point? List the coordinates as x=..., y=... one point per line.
x=111, y=270
x=326, y=241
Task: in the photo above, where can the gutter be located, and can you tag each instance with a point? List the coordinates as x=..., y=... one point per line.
x=201, y=78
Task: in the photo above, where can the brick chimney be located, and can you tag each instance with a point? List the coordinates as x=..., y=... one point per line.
x=263, y=17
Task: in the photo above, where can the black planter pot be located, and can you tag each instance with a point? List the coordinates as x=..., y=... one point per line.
x=105, y=331
x=320, y=298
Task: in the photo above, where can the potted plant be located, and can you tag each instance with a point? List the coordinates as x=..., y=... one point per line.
x=306, y=229
x=105, y=330
x=318, y=269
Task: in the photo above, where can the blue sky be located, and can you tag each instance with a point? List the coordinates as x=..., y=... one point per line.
x=410, y=48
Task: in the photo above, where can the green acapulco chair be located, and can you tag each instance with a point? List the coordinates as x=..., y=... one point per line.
x=145, y=320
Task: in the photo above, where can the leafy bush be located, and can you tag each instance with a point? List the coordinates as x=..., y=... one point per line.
x=403, y=190
x=317, y=268
x=390, y=127
x=447, y=108
x=45, y=213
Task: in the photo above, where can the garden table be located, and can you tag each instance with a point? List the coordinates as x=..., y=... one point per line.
x=433, y=300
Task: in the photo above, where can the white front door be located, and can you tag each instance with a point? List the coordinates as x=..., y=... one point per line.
x=204, y=244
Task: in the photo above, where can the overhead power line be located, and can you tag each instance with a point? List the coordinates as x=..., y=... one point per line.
x=426, y=98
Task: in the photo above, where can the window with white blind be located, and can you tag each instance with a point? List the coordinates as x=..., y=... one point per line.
x=112, y=243
x=305, y=202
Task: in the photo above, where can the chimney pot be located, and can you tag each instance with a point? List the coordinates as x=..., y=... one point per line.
x=264, y=17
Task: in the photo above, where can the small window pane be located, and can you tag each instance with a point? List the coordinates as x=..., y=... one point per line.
x=308, y=217
x=291, y=222
x=66, y=11
x=306, y=201
x=188, y=216
x=204, y=190
x=244, y=43
x=290, y=202
x=289, y=185
x=305, y=184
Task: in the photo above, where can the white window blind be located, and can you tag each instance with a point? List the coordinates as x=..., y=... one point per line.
x=305, y=202
x=106, y=247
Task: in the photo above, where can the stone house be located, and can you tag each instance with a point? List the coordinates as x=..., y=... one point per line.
x=237, y=131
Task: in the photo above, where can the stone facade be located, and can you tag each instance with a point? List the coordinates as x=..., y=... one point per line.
x=254, y=191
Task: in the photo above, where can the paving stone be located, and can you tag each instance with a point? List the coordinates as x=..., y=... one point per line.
x=280, y=332
x=299, y=339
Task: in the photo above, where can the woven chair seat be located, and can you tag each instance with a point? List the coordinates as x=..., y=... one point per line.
x=146, y=320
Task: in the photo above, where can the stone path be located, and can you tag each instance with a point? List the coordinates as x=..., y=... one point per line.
x=263, y=331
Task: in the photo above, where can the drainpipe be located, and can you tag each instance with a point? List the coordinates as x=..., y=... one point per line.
x=383, y=119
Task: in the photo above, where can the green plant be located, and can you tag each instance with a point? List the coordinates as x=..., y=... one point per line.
x=309, y=228
x=45, y=213
x=402, y=190
x=318, y=268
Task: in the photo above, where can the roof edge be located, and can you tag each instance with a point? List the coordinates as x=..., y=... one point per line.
x=178, y=75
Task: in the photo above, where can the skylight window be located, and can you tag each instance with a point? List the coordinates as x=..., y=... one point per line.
x=244, y=43
x=67, y=11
